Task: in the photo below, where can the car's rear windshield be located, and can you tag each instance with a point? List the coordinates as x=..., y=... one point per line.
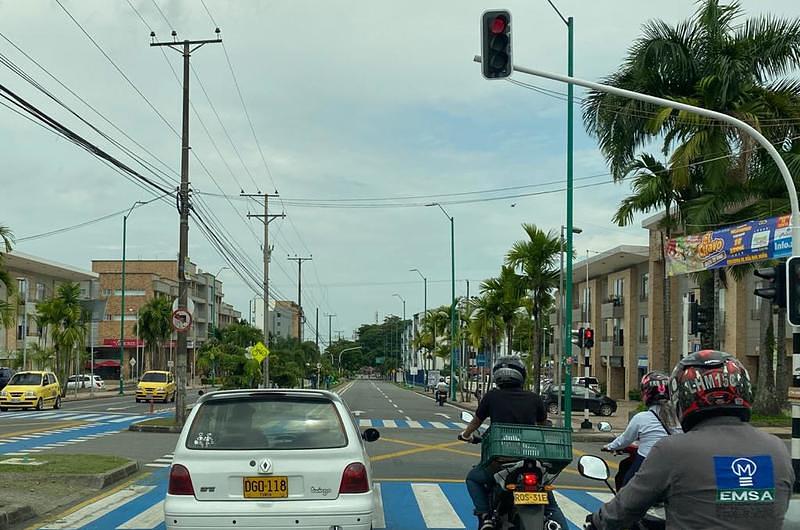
x=153, y=377
x=266, y=422
x=26, y=379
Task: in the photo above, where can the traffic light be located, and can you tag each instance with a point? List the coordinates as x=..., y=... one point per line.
x=776, y=291
x=793, y=290
x=698, y=319
x=577, y=337
x=588, y=338
x=496, y=44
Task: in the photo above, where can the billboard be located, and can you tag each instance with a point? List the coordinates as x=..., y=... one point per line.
x=748, y=242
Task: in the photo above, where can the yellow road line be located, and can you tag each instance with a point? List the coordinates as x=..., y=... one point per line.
x=432, y=447
x=421, y=449
x=52, y=426
x=87, y=502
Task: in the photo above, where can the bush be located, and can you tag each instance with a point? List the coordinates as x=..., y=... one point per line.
x=635, y=394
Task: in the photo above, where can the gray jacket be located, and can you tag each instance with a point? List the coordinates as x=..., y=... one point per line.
x=723, y=474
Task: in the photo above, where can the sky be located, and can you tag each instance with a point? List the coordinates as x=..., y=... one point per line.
x=369, y=100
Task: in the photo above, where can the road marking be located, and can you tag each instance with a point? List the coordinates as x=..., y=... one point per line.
x=437, y=512
x=443, y=414
x=379, y=519
x=157, y=465
x=123, y=408
x=389, y=424
x=126, y=418
x=420, y=448
x=408, y=419
x=20, y=433
x=149, y=518
x=439, y=425
x=88, y=513
x=400, y=411
x=413, y=424
x=611, y=463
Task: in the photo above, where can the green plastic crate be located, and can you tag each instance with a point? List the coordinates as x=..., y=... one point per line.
x=548, y=444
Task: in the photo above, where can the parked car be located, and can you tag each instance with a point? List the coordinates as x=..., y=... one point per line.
x=5, y=375
x=85, y=381
x=594, y=383
x=156, y=385
x=598, y=403
x=301, y=450
x=27, y=390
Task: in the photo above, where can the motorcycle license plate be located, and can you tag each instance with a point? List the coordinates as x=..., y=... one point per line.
x=525, y=497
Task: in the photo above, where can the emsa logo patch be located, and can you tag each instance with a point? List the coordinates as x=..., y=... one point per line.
x=744, y=479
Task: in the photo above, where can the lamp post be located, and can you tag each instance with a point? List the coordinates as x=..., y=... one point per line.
x=566, y=338
x=22, y=284
x=425, y=299
x=122, y=297
x=340, y=356
x=453, y=330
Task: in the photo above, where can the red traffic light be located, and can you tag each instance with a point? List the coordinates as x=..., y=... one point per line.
x=498, y=25
x=588, y=334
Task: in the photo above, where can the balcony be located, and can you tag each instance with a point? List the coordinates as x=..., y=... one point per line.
x=609, y=348
x=612, y=308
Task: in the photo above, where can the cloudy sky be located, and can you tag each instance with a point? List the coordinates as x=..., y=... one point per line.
x=369, y=100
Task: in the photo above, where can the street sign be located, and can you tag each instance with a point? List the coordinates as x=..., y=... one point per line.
x=132, y=362
x=319, y=365
x=170, y=364
x=259, y=352
x=413, y=370
x=189, y=305
x=480, y=360
x=181, y=320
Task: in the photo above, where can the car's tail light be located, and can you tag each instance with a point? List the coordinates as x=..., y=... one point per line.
x=354, y=479
x=180, y=482
x=530, y=481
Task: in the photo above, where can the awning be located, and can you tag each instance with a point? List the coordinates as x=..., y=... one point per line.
x=106, y=363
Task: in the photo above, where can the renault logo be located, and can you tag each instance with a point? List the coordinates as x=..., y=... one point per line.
x=265, y=466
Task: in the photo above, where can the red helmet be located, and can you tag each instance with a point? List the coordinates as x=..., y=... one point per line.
x=710, y=382
x=655, y=387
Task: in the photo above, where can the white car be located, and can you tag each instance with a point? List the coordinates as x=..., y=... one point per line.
x=85, y=381
x=276, y=459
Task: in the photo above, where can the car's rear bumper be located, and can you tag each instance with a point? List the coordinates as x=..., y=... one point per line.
x=349, y=512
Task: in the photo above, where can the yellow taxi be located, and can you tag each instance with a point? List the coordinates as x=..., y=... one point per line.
x=156, y=385
x=31, y=390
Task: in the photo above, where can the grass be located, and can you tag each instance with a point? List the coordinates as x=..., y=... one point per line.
x=781, y=420
x=67, y=465
x=158, y=422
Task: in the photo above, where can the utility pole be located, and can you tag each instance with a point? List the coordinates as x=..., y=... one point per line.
x=266, y=218
x=300, y=261
x=185, y=48
x=316, y=330
x=330, y=316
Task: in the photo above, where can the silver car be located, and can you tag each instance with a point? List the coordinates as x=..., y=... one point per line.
x=276, y=459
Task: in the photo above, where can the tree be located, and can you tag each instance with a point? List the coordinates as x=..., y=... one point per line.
x=154, y=328
x=505, y=294
x=6, y=307
x=536, y=257
x=68, y=328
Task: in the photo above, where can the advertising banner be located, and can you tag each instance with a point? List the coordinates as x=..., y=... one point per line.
x=749, y=242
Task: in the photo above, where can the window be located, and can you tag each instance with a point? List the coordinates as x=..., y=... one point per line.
x=131, y=317
x=619, y=288
x=644, y=324
x=619, y=333
x=39, y=291
x=645, y=287
x=130, y=292
x=154, y=377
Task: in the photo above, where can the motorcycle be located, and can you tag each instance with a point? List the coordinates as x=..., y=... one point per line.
x=520, y=494
x=595, y=468
x=441, y=397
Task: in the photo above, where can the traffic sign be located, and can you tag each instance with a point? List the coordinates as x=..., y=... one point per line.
x=181, y=320
x=132, y=362
x=170, y=364
x=260, y=352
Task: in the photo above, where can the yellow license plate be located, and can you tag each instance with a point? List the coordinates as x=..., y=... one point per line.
x=265, y=487
x=524, y=497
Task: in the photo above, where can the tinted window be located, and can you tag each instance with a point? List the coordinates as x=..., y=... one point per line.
x=153, y=377
x=267, y=422
x=26, y=379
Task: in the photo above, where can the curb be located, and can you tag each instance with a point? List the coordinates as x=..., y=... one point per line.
x=100, y=481
x=136, y=427
x=104, y=395
x=15, y=514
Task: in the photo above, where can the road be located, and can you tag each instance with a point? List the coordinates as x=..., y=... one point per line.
x=418, y=464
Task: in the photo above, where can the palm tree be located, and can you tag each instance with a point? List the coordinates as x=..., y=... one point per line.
x=6, y=308
x=153, y=326
x=505, y=294
x=536, y=257
x=69, y=329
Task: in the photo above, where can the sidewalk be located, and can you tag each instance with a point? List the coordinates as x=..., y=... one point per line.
x=111, y=390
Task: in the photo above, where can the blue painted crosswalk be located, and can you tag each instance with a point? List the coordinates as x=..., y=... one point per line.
x=400, y=506
x=410, y=424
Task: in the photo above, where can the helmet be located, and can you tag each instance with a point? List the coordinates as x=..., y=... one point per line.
x=509, y=371
x=655, y=387
x=441, y=379
x=710, y=383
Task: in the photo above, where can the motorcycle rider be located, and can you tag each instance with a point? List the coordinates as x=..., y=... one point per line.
x=648, y=426
x=723, y=473
x=508, y=403
x=441, y=388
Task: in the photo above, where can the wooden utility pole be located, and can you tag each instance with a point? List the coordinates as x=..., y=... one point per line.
x=185, y=48
x=266, y=218
x=300, y=261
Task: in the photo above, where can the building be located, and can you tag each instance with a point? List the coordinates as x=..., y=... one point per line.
x=283, y=316
x=145, y=280
x=37, y=279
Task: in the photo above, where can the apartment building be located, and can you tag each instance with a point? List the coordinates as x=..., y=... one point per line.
x=283, y=315
x=37, y=279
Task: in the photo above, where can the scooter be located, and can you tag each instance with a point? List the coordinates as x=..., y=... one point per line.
x=595, y=468
x=441, y=397
x=520, y=494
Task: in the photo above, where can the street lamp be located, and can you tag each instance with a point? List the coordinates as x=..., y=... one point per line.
x=453, y=304
x=425, y=299
x=340, y=356
x=122, y=297
x=566, y=331
x=22, y=285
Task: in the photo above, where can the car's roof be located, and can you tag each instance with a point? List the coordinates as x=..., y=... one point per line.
x=156, y=372
x=256, y=392
x=39, y=372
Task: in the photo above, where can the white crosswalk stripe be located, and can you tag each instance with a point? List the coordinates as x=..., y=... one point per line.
x=437, y=512
x=150, y=518
x=379, y=521
x=89, y=513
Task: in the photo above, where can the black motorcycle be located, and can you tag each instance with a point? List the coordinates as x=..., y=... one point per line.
x=441, y=397
x=596, y=468
x=519, y=497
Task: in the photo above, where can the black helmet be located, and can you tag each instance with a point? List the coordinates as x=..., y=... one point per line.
x=710, y=383
x=508, y=372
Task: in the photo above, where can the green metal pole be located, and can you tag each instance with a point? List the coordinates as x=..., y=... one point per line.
x=453, y=329
x=568, y=289
x=122, y=309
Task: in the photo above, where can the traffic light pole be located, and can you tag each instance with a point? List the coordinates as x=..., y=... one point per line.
x=793, y=202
